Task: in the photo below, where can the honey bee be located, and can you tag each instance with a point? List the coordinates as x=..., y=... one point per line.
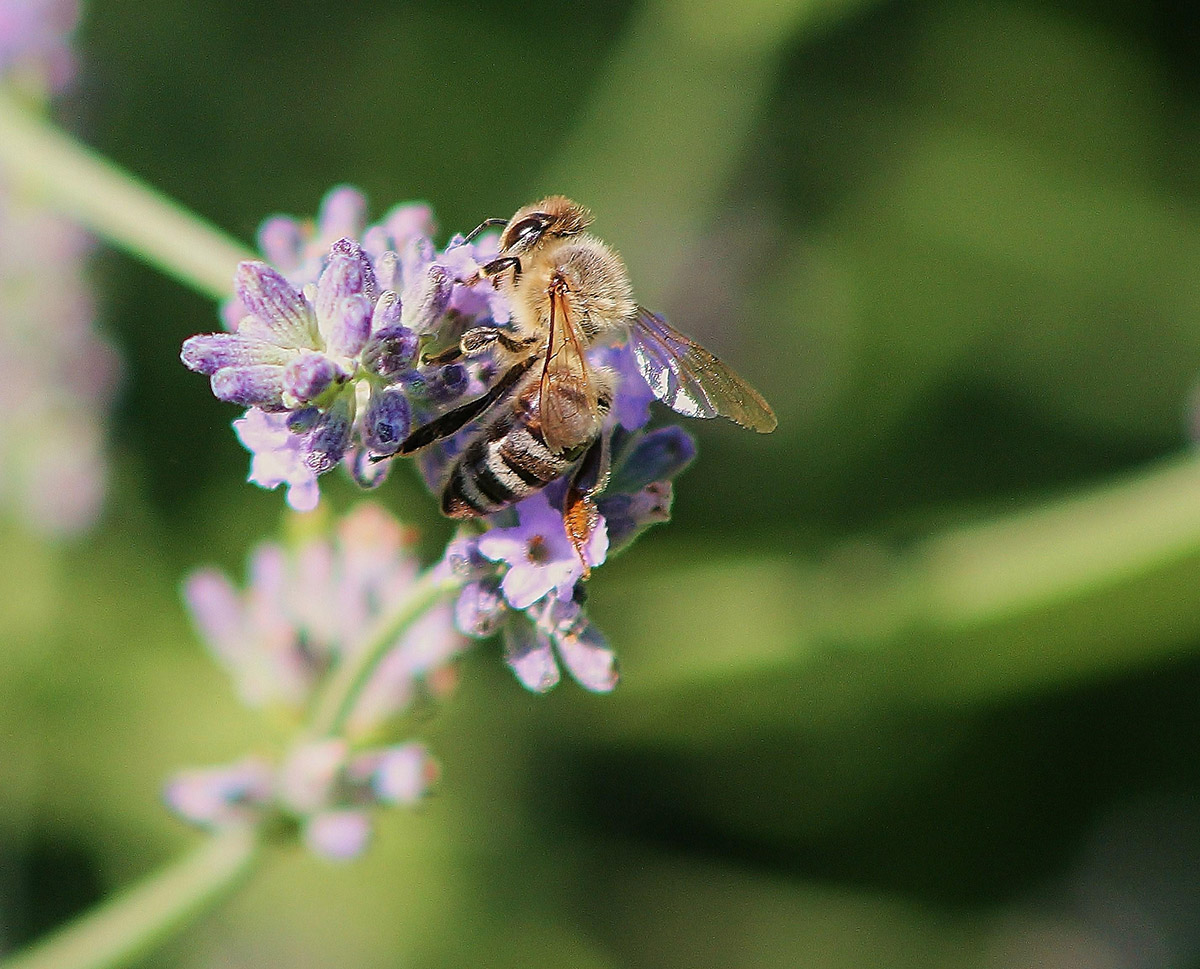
x=544, y=417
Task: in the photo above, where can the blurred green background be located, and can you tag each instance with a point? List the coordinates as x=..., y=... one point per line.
x=956, y=244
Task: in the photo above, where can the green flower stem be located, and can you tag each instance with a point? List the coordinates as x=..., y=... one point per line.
x=335, y=703
x=117, y=207
x=139, y=918
x=1077, y=588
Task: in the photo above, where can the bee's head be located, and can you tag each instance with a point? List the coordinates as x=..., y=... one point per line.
x=551, y=218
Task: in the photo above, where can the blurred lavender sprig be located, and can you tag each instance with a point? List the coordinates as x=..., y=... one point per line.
x=52, y=443
x=305, y=613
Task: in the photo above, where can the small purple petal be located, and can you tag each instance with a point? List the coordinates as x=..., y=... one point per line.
x=390, y=352
x=271, y=298
x=330, y=437
x=529, y=655
x=346, y=331
x=338, y=835
x=480, y=608
x=260, y=385
x=540, y=556
x=402, y=774
x=365, y=472
x=282, y=242
x=209, y=352
x=588, y=658
x=387, y=421
x=309, y=375
x=631, y=405
x=659, y=456
x=427, y=299
x=278, y=457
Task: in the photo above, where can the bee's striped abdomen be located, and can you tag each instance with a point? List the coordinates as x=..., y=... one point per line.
x=507, y=460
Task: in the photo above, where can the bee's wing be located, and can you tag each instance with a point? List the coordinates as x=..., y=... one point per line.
x=690, y=380
x=455, y=420
x=567, y=402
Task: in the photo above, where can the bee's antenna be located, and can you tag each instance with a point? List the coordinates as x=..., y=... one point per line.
x=485, y=224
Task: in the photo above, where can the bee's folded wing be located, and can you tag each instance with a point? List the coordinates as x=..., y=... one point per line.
x=690, y=380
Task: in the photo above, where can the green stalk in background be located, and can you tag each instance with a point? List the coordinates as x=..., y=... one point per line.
x=123, y=211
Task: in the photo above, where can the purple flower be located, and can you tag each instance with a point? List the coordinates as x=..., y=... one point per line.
x=215, y=797
x=318, y=784
x=554, y=626
x=303, y=610
x=539, y=554
x=279, y=457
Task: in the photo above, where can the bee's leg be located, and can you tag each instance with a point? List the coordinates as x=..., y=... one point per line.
x=478, y=340
x=499, y=265
x=580, y=515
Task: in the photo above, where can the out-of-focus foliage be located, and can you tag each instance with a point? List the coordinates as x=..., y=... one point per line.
x=956, y=244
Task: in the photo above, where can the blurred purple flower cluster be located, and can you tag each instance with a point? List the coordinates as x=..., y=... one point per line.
x=304, y=612
x=35, y=42
x=52, y=462
x=323, y=786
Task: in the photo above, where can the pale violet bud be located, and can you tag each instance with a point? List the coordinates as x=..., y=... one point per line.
x=387, y=421
x=338, y=835
x=343, y=212
x=220, y=796
x=530, y=656
x=427, y=299
x=260, y=385
x=309, y=375
x=211, y=352
x=346, y=331
x=402, y=774
x=480, y=608
x=348, y=273
x=388, y=272
x=391, y=351
x=282, y=242
x=330, y=436
x=658, y=456
x=276, y=305
x=447, y=383
x=308, y=776
x=366, y=472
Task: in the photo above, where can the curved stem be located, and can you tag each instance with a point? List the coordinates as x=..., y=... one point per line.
x=117, y=207
x=141, y=917
x=335, y=703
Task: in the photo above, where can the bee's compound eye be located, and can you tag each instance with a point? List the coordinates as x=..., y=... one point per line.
x=528, y=230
